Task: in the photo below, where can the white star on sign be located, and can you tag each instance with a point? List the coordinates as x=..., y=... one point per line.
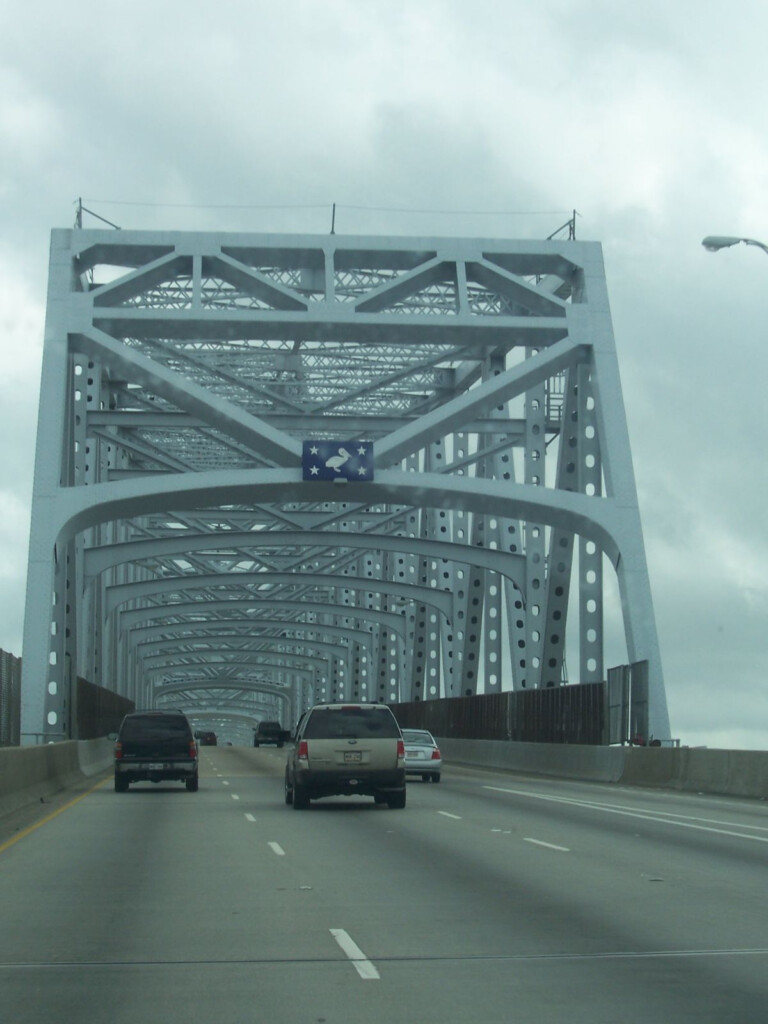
x=314, y=470
x=313, y=450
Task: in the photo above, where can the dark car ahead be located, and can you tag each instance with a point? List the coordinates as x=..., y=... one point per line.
x=206, y=738
x=268, y=732
x=155, y=746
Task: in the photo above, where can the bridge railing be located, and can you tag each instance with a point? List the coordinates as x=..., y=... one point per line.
x=564, y=714
x=10, y=699
x=593, y=714
x=98, y=711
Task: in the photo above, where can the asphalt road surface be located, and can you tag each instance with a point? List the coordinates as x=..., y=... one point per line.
x=493, y=897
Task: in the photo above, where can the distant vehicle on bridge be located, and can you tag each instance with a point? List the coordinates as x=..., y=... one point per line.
x=268, y=732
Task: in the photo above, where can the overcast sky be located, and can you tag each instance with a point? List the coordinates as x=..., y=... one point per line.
x=649, y=119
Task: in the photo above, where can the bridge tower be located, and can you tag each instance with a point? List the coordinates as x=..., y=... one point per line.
x=178, y=554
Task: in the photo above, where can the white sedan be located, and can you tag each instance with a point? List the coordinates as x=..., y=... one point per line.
x=422, y=755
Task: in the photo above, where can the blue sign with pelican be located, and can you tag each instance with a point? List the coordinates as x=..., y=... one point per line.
x=337, y=460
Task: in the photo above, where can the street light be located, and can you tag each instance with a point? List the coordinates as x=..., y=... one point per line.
x=714, y=242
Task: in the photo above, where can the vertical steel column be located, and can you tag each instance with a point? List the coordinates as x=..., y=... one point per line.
x=561, y=542
x=535, y=534
x=45, y=626
x=591, y=584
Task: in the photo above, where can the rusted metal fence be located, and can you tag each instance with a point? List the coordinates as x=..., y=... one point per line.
x=10, y=699
x=627, y=700
x=564, y=714
x=99, y=711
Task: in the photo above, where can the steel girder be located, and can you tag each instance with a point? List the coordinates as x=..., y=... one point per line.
x=235, y=709
x=181, y=373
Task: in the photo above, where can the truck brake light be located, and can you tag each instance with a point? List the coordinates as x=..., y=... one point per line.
x=118, y=750
x=303, y=754
x=400, y=749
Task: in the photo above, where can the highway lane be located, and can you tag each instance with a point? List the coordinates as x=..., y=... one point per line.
x=491, y=897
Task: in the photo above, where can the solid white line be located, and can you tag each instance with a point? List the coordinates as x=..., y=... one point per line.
x=446, y=814
x=627, y=813
x=665, y=814
x=234, y=796
x=276, y=848
x=549, y=846
x=250, y=817
x=360, y=962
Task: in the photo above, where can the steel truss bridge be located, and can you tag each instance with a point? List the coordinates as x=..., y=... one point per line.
x=179, y=557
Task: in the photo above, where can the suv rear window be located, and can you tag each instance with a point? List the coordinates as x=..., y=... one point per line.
x=145, y=726
x=351, y=723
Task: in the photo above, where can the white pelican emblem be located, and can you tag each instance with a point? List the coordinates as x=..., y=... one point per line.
x=337, y=461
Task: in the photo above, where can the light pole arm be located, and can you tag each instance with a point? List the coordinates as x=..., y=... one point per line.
x=714, y=242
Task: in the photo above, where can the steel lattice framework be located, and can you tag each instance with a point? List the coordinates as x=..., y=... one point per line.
x=178, y=557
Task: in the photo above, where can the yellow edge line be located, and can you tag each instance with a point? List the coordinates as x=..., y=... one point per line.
x=25, y=832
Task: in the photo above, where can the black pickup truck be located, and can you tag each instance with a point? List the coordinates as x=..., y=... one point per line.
x=268, y=732
x=155, y=746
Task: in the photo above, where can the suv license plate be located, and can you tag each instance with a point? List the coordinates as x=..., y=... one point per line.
x=155, y=767
x=352, y=755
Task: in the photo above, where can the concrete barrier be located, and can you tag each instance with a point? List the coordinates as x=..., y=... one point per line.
x=651, y=766
x=95, y=755
x=730, y=772
x=599, y=764
x=30, y=774
x=741, y=773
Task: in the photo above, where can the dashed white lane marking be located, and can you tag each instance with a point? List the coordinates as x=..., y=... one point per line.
x=447, y=814
x=225, y=782
x=277, y=849
x=549, y=846
x=234, y=796
x=629, y=813
x=360, y=962
x=250, y=817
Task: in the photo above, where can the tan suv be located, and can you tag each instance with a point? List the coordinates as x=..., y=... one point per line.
x=346, y=749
